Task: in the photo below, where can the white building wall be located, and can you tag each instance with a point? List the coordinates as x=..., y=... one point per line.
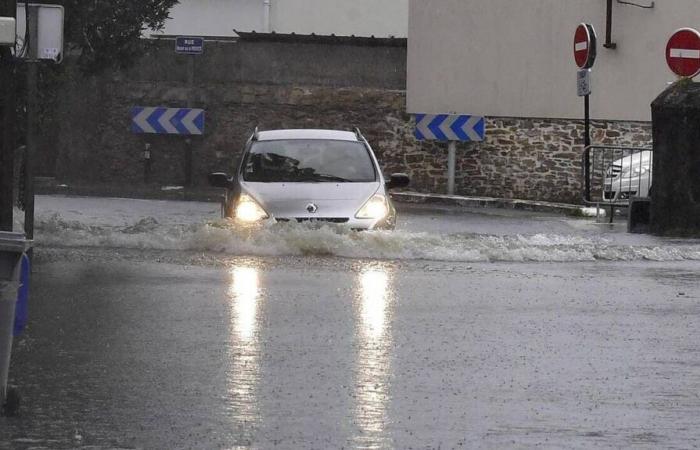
x=515, y=58
x=381, y=18
x=214, y=17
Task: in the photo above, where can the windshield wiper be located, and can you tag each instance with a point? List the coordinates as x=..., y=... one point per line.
x=323, y=177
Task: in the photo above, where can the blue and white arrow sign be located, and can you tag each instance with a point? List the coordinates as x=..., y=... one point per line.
x=156, y=120
x=446, y=127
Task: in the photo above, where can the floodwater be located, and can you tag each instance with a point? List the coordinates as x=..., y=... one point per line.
x=153, y=325
x=422, y=234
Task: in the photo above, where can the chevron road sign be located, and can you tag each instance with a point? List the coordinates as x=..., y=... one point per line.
x=445, y=127
x=155, y=120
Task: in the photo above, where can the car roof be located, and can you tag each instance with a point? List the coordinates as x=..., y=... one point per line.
x=336, y=135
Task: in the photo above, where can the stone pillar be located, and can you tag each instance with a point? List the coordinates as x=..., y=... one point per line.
x=676, y=172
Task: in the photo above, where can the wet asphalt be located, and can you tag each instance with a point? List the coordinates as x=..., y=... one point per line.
x=324, y=353
x=130, y=348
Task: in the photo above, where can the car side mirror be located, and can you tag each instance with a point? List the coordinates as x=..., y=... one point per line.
x=398, y=180
x=221, y=180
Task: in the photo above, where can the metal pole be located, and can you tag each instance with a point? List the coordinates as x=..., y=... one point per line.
x=608, y=27
x=586, y=144
x=190, y=104
x=451, y=167
x=188, y=162
x=32, y=113
x=7, y=150
x=267, y=16
x=8, y=8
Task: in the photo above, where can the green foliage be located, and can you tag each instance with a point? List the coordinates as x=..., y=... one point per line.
x=106, y=33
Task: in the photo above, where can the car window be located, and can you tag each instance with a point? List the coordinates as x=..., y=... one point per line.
x=310, y=160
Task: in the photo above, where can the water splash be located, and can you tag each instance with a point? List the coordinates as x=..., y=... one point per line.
x=330, y=240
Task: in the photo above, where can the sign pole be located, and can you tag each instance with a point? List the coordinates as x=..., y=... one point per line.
x=451, y=166
x=585, y=51
x=450, y=128
x=586, y=144
x=190, y=103
x=8, y=8
x=199, y=44
x=32, y=110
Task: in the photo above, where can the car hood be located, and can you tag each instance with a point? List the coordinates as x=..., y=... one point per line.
x=641, y=158
x=291, y=200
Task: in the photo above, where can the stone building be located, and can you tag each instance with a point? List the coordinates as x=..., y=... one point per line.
x=513, y=63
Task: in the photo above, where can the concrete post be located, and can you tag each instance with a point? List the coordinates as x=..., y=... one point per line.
x=675, y=191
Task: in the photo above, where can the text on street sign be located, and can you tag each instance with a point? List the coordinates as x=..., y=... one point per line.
x=189, y=45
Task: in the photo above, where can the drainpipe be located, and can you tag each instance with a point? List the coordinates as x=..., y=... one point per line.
x=267, y=24
x=608, y=27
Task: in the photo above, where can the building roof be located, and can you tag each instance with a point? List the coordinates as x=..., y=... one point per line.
x=276, y=135
x=321, y=39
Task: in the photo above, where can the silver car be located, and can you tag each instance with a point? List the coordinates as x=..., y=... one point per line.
x=629, y=177
x=322, y=176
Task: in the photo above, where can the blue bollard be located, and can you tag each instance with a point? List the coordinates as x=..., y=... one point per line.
x=22, y=308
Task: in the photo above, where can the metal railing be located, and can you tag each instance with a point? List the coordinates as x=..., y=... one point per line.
x=614, y=175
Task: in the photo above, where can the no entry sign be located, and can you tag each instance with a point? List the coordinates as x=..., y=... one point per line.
x=585, y=46
x=683, y=52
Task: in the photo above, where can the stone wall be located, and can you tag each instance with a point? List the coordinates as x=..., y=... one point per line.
x=537, y=159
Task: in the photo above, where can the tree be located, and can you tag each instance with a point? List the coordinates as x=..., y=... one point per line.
x=106, y=33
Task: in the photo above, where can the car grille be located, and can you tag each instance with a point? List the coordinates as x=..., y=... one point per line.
x=316, y=220
x=610, y=195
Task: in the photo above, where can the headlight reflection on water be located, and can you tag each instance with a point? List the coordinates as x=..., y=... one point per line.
x=375, y=300
x=244, y=294
x=244, y=354
x=374, y=290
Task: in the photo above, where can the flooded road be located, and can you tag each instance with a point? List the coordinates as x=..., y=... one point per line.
x=482, y=235
x=138, y=340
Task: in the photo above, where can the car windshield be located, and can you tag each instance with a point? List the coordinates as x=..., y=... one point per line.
x=310, y=160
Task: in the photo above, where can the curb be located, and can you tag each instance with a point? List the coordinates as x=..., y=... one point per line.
x=214, y=195
x=485, y=202
x=199, y=194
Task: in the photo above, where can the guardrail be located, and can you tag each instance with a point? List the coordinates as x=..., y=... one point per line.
x=614, y=175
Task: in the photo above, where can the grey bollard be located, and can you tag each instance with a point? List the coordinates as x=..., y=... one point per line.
x=12, y=247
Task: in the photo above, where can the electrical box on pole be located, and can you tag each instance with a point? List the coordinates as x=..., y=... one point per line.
x=42, y=39
x=8, y=27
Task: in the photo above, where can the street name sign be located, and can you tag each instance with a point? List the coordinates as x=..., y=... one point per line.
x=160, y=120
x=447, y=127
x=189, y=45
x=585, y=46
x=583, y=82
x=683, y=52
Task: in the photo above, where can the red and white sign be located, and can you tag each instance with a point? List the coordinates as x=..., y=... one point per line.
x=585, y=46
x=683, y=52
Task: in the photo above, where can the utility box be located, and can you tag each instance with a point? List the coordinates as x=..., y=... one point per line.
x=8, y=31
x=40, y=32
x=675, y=208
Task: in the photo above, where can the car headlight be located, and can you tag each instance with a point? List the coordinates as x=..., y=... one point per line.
x=248, y=210
x=376, y=208
x=636, y=171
